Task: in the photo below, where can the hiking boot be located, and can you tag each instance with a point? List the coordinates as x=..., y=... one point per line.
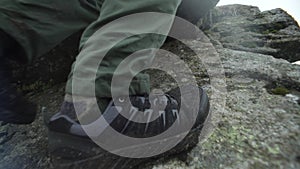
x=14, y=108
x=71, y=147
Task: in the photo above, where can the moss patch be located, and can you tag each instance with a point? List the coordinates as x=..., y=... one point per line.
x=280, y=91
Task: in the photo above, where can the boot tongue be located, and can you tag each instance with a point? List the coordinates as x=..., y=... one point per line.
x=156, y=98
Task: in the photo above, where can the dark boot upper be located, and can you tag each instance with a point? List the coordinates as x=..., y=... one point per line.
x=161, y=112
x=13, y=108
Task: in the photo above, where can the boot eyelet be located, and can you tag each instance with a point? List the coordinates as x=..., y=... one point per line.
x=121, y=100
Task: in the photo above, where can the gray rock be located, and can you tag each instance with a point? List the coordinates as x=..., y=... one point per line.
x=257, y=128
x=245, y=28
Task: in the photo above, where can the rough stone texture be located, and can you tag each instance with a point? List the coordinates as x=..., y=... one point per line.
x=258, y=127
x=245, y=28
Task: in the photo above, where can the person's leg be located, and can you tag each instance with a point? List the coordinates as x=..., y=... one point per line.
x=111, y=11
x=28, y=29
x=40, y=25
x=67, y=139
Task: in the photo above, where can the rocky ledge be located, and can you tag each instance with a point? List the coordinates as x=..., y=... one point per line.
x=246, y=28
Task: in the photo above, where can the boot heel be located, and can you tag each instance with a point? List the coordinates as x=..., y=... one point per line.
x=68, y=151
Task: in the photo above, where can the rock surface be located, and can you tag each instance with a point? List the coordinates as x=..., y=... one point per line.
x=258, y=127
x=246, y=28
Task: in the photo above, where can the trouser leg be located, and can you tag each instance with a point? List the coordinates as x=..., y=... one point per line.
x=39, y=25
x=110, y=11
x=28, y=29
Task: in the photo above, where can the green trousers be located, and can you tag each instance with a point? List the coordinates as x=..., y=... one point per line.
x=40, y=25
